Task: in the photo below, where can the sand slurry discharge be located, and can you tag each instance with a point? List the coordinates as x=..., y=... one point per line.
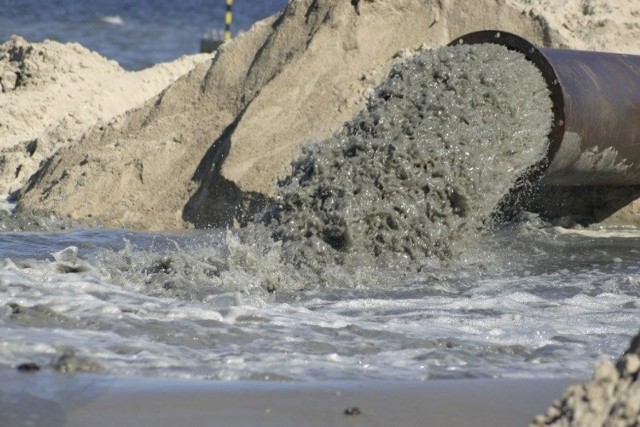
x=420, y=171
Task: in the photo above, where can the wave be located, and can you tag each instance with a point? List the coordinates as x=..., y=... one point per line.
x=112, y=19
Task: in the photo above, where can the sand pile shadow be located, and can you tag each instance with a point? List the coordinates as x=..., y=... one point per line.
x=218, y=201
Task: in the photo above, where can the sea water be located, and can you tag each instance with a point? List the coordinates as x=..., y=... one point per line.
x=136, y=33
x=536, y=301
x=310, y=292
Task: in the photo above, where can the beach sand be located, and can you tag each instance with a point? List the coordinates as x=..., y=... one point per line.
x=83, y=400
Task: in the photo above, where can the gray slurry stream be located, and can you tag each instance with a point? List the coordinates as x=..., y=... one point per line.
x=419, y=172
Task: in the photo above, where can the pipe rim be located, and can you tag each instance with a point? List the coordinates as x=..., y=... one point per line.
x=535, y=55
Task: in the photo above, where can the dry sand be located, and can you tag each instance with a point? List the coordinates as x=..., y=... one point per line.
x=210, y=148
x=611, y=398
x=52, y=93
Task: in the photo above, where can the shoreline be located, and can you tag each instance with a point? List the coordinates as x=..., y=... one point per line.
x=77, y=400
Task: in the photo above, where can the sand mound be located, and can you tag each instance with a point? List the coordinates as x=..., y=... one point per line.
x=51, y=93
x=610, y=26
x=210, y=149
x=611, y=398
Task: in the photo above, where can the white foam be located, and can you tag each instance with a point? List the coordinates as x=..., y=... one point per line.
x=112, y=19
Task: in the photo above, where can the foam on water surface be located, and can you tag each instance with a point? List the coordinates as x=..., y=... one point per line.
x=499, y=313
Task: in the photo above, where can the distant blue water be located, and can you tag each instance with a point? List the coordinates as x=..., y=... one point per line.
x=136, y=33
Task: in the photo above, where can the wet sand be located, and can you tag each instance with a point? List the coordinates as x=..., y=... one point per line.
x=43, y=399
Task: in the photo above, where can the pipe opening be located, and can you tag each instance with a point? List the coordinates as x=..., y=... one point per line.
x=595, y=133
x=533, y=54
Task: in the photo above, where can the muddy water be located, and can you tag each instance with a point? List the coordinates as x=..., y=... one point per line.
x=375, y=271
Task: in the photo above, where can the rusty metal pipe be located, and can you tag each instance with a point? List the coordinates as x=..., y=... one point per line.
x=595, y=136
